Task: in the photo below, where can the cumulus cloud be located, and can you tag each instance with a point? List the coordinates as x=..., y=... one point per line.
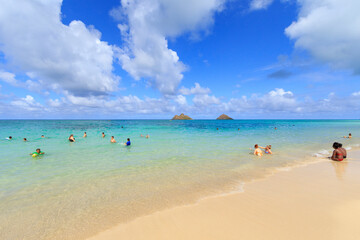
x=70, y=57
x=27, y=103
x=197, y=89
x=329, y=30
x=260, y=4
x=145, y=28
x=8, y=78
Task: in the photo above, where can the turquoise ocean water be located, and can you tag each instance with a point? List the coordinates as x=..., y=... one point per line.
x=77, y=189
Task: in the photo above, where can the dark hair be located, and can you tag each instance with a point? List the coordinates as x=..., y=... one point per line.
x=103, y=133
x=38, y=149
x=10, y=137
x=128, y=139
x=340, y=145
x=256, y=146
x=336, y=145
x=112, y=136
x=349, y=134
x=84, y=132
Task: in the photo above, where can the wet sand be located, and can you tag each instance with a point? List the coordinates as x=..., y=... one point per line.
x=317, y=201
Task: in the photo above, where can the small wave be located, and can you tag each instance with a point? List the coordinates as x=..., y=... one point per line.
x=321, y=153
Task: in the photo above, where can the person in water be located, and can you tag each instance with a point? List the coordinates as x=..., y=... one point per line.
x=147, y=136
x=25, y=140
x=42, y=136
x=257, y=151
x=103, y=134
x=267, y=149
x=112, y=140
x=37, y=153
x=85, y=135
x=343, y=150
x=337, y=153
x=9, y=138
x=141, y=135
x=128, y=143
x=348, y=136
x=71, y=138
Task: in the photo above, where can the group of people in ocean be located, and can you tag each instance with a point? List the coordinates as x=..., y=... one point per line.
x=112, y=140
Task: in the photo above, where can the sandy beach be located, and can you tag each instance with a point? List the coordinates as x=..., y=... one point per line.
x=317, y=201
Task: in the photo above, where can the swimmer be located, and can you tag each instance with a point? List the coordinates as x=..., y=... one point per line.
x=103, y=134
x=71, y=138
x=141, y=135
x=85, y=135
x=25, y=140
x=275, y=128
x=128, y=143
x=9, y=138
x=112, y=139
x=342, y=150
x=217, y=128
x=37, y=153
x=42, y=136
x=267, y=149
x=337, y=153
x=238, y=129
x=147, y=136
x=257, y=151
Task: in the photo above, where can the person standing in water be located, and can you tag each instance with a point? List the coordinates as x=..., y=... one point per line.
x=103, y=134
x=112, y=140
x=71, y=138
x=337, y=153
x=85, y=135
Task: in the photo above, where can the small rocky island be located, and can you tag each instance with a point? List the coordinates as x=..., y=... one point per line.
x=224, y=117
x=181, y=117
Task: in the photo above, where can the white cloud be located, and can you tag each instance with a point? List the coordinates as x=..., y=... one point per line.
x=197, y=89
x=148, y=25
x=8, y=78
x=205, y=100
x=260, y=4
x=329, y=30
x=70, y=57
x=27, y=103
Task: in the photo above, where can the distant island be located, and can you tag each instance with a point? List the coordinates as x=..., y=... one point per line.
x=181, y=117
x=224, y=117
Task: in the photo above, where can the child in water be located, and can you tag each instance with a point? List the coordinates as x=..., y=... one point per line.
x=348, y=136
x=71, y=138
x=103, y=134
x=85, y=135
x=257, y=151
x=267, y=149
x=112, y=139
x=128, y=143
x=37, y=153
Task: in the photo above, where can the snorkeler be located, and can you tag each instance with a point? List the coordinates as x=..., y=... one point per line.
x=257, y=151
x=37, y=153
x=85, y=135
x=128, y=143
x=71, y=138
x=342, y=150
x=337, y=153
x=103, y=135
x=112, y=139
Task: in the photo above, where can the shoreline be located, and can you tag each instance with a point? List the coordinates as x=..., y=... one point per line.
x=259, y=211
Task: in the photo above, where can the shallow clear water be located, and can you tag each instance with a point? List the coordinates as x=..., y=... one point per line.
x=77, y=189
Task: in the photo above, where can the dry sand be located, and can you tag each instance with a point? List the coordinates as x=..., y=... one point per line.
x=318, y=201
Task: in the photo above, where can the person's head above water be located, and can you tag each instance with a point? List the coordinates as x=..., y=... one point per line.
x=350, y=134
x=38, y=150
x=112, y=137
x=336, y=145
x=25, y=139
x=42, y=136
x=128, y=139
x=256, y=146
x=10, y=137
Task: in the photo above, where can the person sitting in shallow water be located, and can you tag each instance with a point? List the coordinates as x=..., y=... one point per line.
x=112, y=140
x=71, y=138
x=337, y=153
x=257, y=151
x=348, y=136
x=342, y=150
x=37, y=153
x=267, y=149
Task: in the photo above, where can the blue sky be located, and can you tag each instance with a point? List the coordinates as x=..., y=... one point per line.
x=156, y=58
